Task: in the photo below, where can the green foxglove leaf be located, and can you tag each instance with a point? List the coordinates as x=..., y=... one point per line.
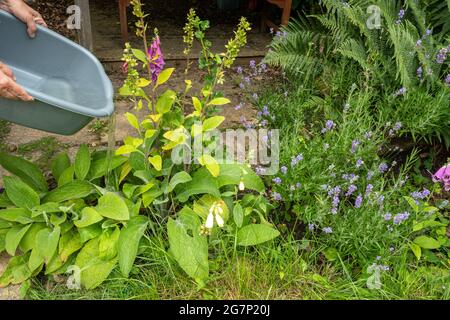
x=73, y=190
x=25, y=170
x=156, y=162
x=28, y=242
x=219, y=102
x=202, y=183
x=22, y=195
x=108, y=243
x=210, y=163
x=132, y=120
x=66, y=176
x=89, y=216
x=69, y=243
x=212, y=123
x=112, y=206
x=19, y=215
x=60, y=164
x=238, y=215
x=130, y=237
x=164, y=76
x=13, y=238
x=94, y=270
x=165, y=101
x=179, y=178
x=197, y=104
x=82, y=162
x=191, y=252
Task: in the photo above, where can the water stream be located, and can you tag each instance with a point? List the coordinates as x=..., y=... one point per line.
x=109, y=179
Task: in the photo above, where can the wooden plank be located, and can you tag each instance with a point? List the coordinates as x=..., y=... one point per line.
x=85, y=34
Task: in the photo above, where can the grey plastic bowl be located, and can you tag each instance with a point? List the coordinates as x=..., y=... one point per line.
x=68, y=83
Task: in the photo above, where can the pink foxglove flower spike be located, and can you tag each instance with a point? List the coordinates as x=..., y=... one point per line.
x=156, y=57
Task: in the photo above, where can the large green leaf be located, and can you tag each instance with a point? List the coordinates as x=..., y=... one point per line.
x=69, y=243
x=165, y=101
x=233, y=174
x=73, y=190
x=19, y=215
x=99, y=167
x=67, y=176
x=202, y=183
x=22, y=195
x=108, y=243
x=25, y=170
x=28, y=242
x=93, y=270
x=427, y=242
x=47, y=242
x=60, y=164
x=16, y=272
x=112, y=206
x=254, y=234
x=191, y=252
x=238, y=215
x=89, y=216
x=82, y=162
x=130, y=236
x=90, y=232
x=179, y=178
x=13, y=238
x=212, y=123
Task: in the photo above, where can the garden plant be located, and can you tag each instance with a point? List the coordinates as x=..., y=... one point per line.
x=359, y=208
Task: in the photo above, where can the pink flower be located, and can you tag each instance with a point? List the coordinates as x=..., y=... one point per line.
x=156, y=58
x=125, y=67
x=443, y=175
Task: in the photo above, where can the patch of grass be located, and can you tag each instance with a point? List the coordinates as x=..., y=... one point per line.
x=42, y=150
x=99, y=127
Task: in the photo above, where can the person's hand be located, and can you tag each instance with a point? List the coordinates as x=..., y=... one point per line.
x=9, y=88
x=24, y=13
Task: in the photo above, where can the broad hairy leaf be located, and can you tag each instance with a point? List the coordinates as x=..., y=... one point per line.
x=130, y=236
x=93, y=269
x=179, y=178
x=254, y=234
x=28, y=242
x=89, y=216
x=69, y=243
x=113, y=206
x=13, y=238
x=22, y=195
x=82, y=162
x=427, y=242
x=73, y=190
x=165, y=101
x=19, y=215
x=202, y=183
x=60, y=164
x=25, y=170
x=238, y=215
x=191, y=252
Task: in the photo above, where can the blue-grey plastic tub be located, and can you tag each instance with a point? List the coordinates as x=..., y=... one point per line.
x=68, y=83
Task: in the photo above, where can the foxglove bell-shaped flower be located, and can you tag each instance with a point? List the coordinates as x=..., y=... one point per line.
x=443, y=176
x=156, y=58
